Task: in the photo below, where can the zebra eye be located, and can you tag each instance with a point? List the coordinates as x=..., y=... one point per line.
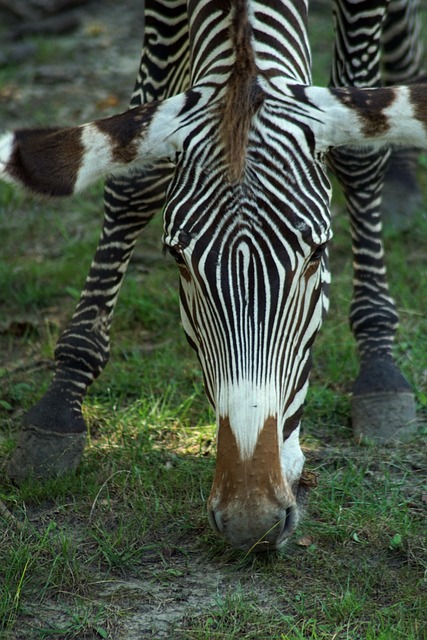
x=318, y=252
x=177, y=256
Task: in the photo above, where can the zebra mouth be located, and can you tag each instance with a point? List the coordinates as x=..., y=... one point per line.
x=286, y=528
x=248, y=541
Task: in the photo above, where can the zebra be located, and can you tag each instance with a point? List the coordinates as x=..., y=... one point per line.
x=402, y=58
x=232, y=138
x=361, y=172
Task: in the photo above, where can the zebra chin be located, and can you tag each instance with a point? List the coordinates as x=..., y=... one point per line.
x=253, y=504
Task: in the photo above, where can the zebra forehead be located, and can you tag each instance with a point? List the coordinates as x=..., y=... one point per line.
x=255, y=222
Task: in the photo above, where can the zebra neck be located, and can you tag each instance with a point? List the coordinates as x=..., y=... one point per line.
x=227, y=35
x=241, y=47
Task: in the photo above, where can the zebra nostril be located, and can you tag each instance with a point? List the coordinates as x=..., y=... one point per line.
x=289, y=515
x=288, y=525
x=213, y=521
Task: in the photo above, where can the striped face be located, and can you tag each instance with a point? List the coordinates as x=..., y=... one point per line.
x=252, y=268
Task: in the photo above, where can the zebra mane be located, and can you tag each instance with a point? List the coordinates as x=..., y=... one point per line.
x=243, y=94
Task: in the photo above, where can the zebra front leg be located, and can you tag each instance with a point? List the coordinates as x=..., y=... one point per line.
x=53, y=436
x=383, y=406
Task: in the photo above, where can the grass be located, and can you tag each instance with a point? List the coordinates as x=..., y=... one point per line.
x=122, y=548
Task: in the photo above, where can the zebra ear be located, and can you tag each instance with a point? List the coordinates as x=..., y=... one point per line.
x=59, y=162
x=374, y=117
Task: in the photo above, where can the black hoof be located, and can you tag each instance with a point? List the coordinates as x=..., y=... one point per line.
x=385, y=418
x=45, y=454
x=52, y=439
x=383, y=405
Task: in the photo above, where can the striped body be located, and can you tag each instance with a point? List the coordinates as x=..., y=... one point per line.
x=241, y=154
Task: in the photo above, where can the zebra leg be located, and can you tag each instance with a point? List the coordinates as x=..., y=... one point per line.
x=402, y=62
x=383, y=407
x=54, y=432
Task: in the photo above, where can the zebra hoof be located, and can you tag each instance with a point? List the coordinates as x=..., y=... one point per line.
x=44, y=454
x=384, y=417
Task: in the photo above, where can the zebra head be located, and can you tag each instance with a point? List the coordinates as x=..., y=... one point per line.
x=251, y=256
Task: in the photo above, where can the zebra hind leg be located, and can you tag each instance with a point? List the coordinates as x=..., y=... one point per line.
x=53, y=436
x=383, y=405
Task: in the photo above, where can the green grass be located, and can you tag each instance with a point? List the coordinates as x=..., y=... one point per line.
x=135, y=508
x=125, y=540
